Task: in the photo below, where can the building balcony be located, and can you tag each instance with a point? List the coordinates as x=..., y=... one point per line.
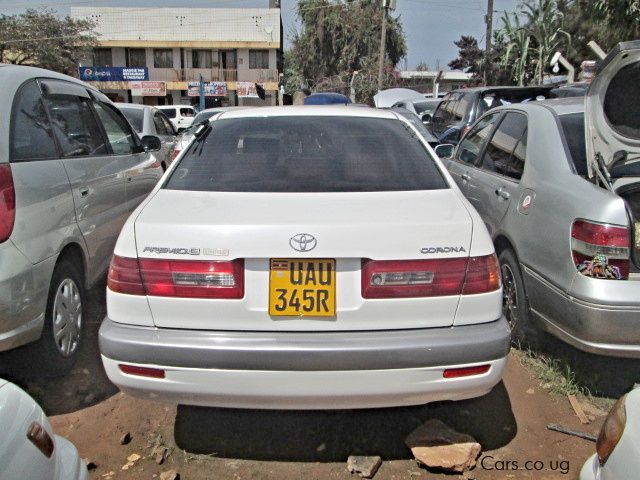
x=209, y=75
x=259, y=75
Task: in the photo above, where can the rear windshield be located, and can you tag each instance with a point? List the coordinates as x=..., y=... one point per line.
x=169, y=112
x=135, y=117
x=573, y=129
x=307, y=154
x=425, y=107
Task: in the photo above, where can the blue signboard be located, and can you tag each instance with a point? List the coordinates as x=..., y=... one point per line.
x=114, y=74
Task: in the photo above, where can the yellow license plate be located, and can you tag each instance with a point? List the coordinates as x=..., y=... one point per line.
x=302, y=288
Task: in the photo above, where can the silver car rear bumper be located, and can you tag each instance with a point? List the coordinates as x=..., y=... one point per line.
x=599, y=328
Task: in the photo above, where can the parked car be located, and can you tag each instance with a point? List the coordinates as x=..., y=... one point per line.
x=71, y=172
x=181, y=116
x=422, y=108
x=570, y=90
x=187, y=135
x=148, y=120
x=565, y=216
x=461, y=108
x=417, y=123
x=617, y=454
x=327, y=98
x=306, y=274
x=28, y=447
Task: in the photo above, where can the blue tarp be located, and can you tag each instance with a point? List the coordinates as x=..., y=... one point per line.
x=326, y=99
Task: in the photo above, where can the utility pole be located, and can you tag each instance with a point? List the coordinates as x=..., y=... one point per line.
x=487, y=53
x=383, y=40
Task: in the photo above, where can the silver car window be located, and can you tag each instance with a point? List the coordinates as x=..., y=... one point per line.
x=121, y=137
x=471, y=145
x=31, y=133
x=75, y=126
x=498, y=155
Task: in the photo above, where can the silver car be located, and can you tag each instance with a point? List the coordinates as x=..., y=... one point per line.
x=148, y=120
x=28, y=447
x=564, y=216
x=71, y=172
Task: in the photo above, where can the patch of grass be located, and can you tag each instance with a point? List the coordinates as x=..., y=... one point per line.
x=554, y=375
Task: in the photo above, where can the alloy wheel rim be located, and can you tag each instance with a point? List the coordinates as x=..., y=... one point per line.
x=509, y=296
x=67, y=317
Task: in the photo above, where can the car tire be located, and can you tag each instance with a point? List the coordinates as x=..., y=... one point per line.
x=61, y=337
x=515, y=305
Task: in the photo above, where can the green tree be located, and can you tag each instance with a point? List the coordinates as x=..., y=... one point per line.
x=469, y=55
x=621, y=20
x=40, y=38
x=337, y=38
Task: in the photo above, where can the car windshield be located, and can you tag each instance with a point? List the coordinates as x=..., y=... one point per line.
x=202, y=116
x=169, y=112
x=573, y=129
x=307, y=154
x=135, y=117
x=498, y=98
x=425, y=107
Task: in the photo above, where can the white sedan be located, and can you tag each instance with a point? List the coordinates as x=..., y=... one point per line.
x=305, y=258
x=28, y=447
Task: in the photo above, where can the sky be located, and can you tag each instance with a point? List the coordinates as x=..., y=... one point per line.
x=430, y=26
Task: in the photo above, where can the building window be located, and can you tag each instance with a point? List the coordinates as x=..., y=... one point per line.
x=137, y=57
x=162, y=58
x=259, y=59
x=202, y=59
x=102, y=57
x=228, y=59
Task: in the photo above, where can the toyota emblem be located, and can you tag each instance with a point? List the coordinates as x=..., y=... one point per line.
x=303, y=242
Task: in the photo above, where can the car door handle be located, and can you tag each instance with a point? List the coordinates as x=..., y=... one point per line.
x=465, y=177
x=502, y=193
x=84, y=191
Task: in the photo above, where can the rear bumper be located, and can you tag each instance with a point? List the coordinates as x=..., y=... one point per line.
x=593, y=327
x=305, y=370
x=69, y=464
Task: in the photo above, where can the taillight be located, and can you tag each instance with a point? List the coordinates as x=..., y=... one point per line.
x=466, y=371
x=600, y=250
x=7, y=202
x=174, y=153
x=612, y=430
x=177, y=278
x=483, y=275
x=124, y=276
x=429, y=278
x=39, y=436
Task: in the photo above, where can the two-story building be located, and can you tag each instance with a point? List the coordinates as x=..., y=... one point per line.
x=231, y=49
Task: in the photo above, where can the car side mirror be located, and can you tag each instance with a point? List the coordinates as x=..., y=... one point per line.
x=426, y=118
x=151, y=143
x=445, y=151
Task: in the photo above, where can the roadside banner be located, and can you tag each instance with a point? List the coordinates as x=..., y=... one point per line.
x=211, y=89
x=113, y=74
x=148, y=89
x=247, y=90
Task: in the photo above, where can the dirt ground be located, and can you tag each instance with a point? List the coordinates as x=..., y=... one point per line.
x=510, y=423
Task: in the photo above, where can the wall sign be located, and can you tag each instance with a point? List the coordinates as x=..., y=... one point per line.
x=113, y=74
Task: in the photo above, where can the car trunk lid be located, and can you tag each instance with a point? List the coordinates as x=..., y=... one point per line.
x=346, y=227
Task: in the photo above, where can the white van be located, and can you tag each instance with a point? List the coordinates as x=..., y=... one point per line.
x=181, y=116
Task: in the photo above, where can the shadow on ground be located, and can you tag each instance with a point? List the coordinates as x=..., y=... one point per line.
x=609, y=377
x=331, y=436
x=86, y=385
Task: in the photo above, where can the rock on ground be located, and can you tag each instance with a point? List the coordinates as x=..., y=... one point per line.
x=436, y=445
x=366, y=467
x=169, y=475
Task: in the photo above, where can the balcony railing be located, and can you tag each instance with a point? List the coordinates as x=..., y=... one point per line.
x=213, y=75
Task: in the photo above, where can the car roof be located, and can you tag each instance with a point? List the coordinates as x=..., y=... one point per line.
x=309, y=110
x=167, y=107
x=500, y=88
x=560, y=106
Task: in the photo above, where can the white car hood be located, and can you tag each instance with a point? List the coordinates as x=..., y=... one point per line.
x=611, y=112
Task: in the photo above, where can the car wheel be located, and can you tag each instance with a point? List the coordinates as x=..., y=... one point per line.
x=62, y=333
x=515, y=305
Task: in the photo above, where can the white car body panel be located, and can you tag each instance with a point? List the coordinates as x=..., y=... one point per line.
x=19, y=458
x=300, y=390
x=624, y=461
